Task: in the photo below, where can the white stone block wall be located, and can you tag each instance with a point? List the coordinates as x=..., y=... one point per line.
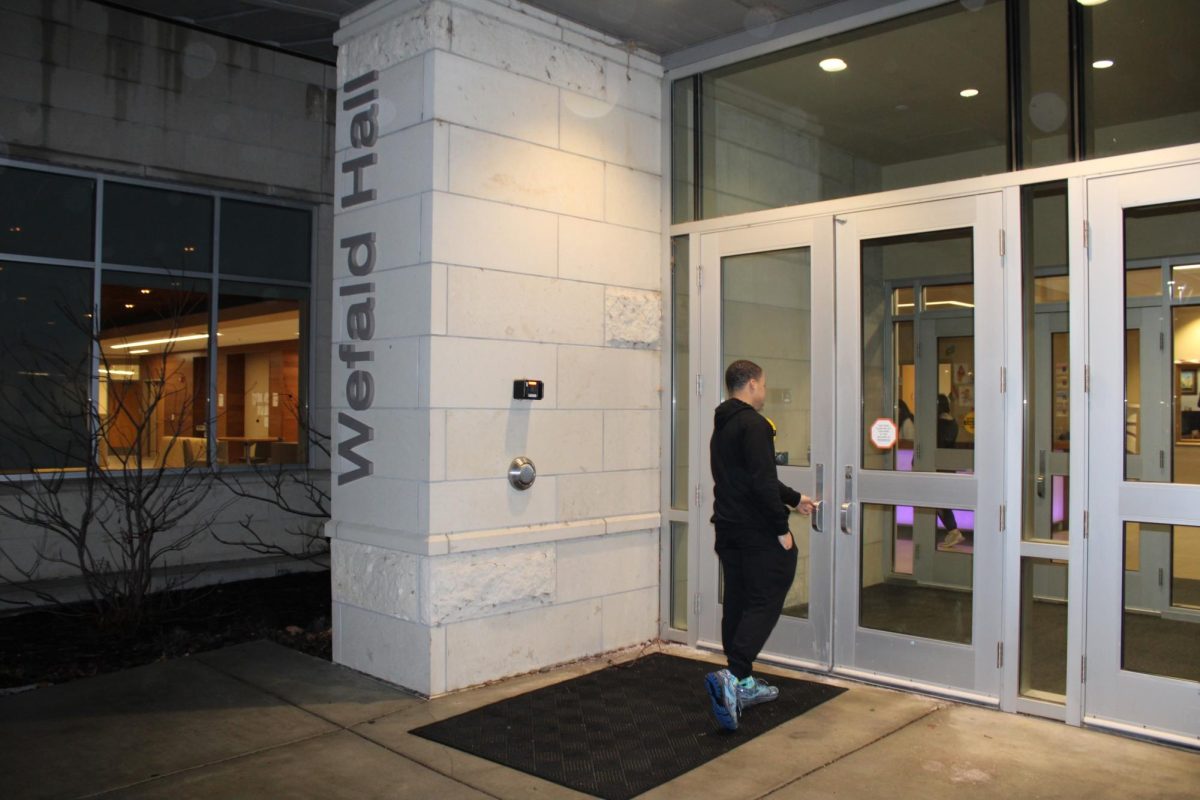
x=538, y=177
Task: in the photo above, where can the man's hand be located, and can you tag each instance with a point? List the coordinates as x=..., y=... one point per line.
x=785, y=541
x=807, y=505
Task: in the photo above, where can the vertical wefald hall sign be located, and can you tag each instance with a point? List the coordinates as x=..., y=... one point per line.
x=360, y=101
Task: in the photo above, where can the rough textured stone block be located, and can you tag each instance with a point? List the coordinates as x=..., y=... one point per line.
x=489, y=582
x=375, y=579
x=632, y=318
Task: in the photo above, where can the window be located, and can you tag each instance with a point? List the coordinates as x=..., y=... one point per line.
x=138, y=377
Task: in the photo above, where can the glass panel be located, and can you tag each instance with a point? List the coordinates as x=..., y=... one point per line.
x=765, y=313
x=683, y=150
x=910, y=101
x=157, y=228
x=1143, y=282
x=931, y=594
x=930, y=397
x=45, y=366
x=680, y=385
x=679, y=575
x=1047, y=361
x=154, y=371
x=266, y=241
x=1163, y=351
x=902, y=301
x=935, y=298
x=1185, y=567
x=1044, y=629
x=260, y=374
x=1045, y=70
x=1138, y=96
x=46, y=214
x=1185, y=282
x=1153, y=640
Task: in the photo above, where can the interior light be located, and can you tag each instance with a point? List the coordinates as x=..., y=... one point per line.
x=969, y=92
x=144, y=291
x=1103, y=63
x=904, y=305
x=139, y=352
x=22, y=298
x=1181, y=267
x=106, y=371
x=129, y=305
x=188, y=248
x=832, y=64
x=958, y=303
x=167, y=340
x=1091, y=2
x=15, y=229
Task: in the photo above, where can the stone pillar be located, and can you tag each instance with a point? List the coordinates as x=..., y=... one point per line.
x=497, y=217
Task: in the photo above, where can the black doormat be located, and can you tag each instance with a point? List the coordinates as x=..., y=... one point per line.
x=620, y=731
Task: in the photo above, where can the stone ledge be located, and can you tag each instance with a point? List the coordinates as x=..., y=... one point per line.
x=468, y=541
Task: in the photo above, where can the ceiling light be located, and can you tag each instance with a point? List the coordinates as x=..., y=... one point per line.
x=139, y=352
x=144, y=291
x=1103, y=63
x=167, y=340
x=129, y=305
x=832, y=64
x=968, y=92
x=15, y=229
x=1091, y=2
x=107, y=371
x=957, y=303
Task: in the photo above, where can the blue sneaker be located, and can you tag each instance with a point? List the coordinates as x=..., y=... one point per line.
x=722, y=690
x=753, y=691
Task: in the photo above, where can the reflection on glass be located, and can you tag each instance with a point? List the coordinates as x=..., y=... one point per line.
x=260, y=403
x=1045, y=72
x=45, y=214
x=779, y=130
x=1146, y=97
x=1162, y=357
x=796, y=602
x=265, y=241
x=679, y=575
x=916, y=571
x=45, y=366
x=1045, y=275
x=765, y=317
x=157, y=228
x=1162, y=573
x=918, y=362
x=683, y=150
x=153, y=398
x=680, y=394
x=1043, y=672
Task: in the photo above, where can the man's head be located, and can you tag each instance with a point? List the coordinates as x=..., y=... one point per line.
x=747, y=381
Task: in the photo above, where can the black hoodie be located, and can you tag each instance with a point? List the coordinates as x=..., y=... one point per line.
x=748, y=498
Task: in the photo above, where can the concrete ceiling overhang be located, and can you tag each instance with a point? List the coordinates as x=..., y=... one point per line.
x=663, y=27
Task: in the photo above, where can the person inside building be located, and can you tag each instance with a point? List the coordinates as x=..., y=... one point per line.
x=753, y=540
x=947, y=436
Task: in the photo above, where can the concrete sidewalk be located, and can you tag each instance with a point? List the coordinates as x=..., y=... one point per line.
x=261, y=721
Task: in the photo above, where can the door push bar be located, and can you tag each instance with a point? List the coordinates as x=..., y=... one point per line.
x=847, y=508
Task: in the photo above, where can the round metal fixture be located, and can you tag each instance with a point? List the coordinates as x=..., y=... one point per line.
x=521, y=473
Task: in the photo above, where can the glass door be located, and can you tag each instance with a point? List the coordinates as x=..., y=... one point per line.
x=919, y=465
x=1142, y=657
x=766, y=295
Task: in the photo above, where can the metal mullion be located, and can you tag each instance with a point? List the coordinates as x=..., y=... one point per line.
x=1016, y=117
x=50, y=261
x=214, y=308
x=166, y=271
x=267, y=281
x=1078, y=142
x=311, y=343
x=97, y=289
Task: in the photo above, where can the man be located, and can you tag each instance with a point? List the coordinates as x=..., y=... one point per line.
x=754, y=544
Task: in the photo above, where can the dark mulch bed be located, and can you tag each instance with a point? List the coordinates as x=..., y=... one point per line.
x=41, y=647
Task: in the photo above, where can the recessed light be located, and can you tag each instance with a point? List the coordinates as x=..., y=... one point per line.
x=832, y=64
x=1103, y=63
x=129, y=305
x=144, y=291
x=969, y=92
x=1091, y=2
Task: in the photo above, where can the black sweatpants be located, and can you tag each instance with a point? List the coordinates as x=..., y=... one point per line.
x=756, y=584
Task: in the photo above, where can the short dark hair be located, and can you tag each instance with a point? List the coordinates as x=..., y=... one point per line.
x=739, y=373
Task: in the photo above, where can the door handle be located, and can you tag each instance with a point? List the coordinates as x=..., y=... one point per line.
x=1041, y=474
x=817, y=521
x=846, y=514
